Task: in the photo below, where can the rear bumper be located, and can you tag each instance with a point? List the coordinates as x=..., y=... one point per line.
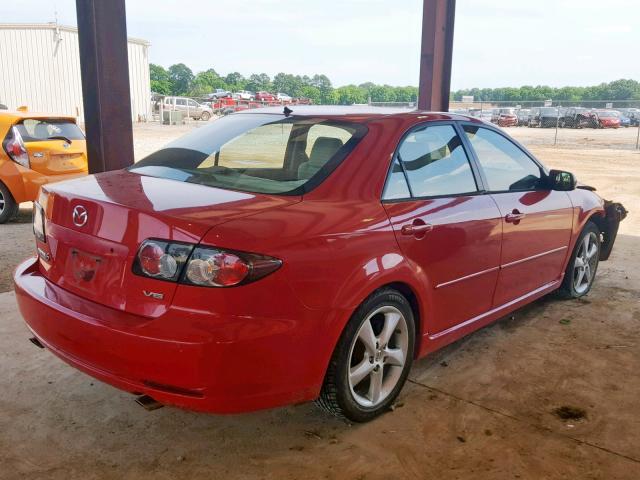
x=241, y=370
x=27, y=187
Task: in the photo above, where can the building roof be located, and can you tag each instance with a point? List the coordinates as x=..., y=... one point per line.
x=53, y=26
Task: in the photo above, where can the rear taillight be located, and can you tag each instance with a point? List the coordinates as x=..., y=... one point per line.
x=202, y=266
x=161, y=260
x=15, y=148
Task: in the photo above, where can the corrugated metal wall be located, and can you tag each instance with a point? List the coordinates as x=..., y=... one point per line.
x=40, y=68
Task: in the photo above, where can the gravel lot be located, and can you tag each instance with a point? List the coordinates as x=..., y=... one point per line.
x=481, y=408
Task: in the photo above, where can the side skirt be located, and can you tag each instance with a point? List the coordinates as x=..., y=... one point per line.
x=433, y=342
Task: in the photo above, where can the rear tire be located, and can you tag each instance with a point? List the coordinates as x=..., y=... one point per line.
x=583, y=264
x=8, y=206
x=205, y=116
x=372, y=359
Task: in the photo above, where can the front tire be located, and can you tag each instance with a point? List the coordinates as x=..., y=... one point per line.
x=372, y=360
x=581, y=270
x=8, y=206
x=205, y=116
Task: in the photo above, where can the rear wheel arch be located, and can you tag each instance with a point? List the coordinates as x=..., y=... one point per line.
x=333, y=389
x=9, y=206
x=404, y=289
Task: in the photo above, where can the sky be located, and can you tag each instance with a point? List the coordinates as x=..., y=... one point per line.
x=497, y=43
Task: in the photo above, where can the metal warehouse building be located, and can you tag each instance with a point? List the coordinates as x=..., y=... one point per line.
x=40, y=68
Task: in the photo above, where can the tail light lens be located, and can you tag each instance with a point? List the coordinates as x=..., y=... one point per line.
x=15, y=148
x=38, y=222
x=161, y=260
x=207, y=267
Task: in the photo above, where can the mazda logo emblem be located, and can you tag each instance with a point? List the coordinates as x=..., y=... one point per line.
x=80, y=216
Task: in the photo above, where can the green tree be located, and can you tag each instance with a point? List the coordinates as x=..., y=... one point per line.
x=312, y=93
x=181, y=78
x=350, y=94
x=235, y=81
x=206, y=82
x=323, y=84
x=258, y=82
x=160, y=82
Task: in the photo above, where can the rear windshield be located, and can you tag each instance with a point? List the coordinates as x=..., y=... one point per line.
x=260, y=153
x=549, y=110
x=38, y=129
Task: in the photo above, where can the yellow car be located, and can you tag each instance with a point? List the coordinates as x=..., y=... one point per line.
x=36, y=149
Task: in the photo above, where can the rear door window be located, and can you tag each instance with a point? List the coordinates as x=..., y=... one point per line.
x=38, y=130
x=435, y=164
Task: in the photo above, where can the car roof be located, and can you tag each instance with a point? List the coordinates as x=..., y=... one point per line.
x=16, y=115
x=362, y=112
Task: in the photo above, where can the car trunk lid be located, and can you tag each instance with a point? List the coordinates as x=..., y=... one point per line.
x=96, y=224
x=57, y=157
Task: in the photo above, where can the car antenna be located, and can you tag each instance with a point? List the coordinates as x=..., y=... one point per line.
x=287, y=111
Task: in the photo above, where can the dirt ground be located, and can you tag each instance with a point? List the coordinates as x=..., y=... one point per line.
x=481, y=408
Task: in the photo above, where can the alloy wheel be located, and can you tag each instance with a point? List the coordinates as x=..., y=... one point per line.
x=2, y=202
x=377, y=356
x=585, y=264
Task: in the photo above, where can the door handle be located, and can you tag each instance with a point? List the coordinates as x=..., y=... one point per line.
x=418, y=228
x=514, y=217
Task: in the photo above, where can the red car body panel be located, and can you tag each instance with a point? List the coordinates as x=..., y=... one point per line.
x=508, y=121
x=268, y=343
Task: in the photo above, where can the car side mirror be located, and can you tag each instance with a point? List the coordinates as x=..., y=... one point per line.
x=561, y=180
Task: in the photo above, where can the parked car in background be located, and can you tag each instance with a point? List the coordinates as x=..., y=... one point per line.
x=265, y=97
x=36, y=150
x=523, y=117
x=189, y=107
x=485, y=115
x=633, y=114
x=624, y=120
x=160, y=279
x=220, y=93
x=504, y=117
x=606, y=118
x=283, y=97
x=3, y=106
x=575, y=117
x=544, y=117
x=246, y=95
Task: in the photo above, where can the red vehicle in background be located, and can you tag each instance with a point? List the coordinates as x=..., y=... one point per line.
x=606, y=118
x=277, y=256
x=265, y=97
x=505, y=117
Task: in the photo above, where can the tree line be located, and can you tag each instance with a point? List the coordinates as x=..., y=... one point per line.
x=616, y=90
x=179, y=79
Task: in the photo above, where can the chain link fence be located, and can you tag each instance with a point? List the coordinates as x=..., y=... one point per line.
x=594, y=123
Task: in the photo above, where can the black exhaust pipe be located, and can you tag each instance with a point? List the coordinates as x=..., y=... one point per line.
x=148, y=403
x=36, y=342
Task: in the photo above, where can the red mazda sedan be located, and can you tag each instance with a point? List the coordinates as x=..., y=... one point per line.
x=273, y=258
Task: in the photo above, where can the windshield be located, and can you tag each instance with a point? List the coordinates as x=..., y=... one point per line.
x=549, y=111
x=39, y=129
x=259, y=153
x=608, y=114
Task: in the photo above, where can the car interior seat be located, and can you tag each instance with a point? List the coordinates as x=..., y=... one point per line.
x=323, y=150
